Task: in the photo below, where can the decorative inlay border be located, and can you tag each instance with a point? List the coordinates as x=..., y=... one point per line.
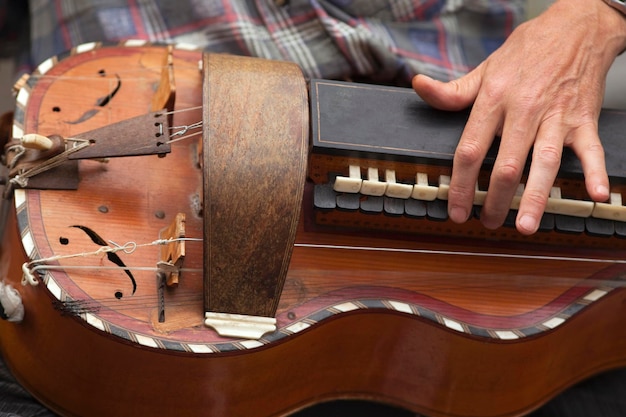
x=292, y=328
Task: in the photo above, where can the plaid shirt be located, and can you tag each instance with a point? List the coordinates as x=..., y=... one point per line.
x=384, y=41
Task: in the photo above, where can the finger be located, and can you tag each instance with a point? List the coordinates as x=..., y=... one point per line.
x=454, y=95
x=518, y=135
x=546, y=160
x=469, y=155
x=587, y=146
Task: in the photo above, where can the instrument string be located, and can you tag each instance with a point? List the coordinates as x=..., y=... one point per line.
x=183, y=130
x=185, y=137
x=134, y=302
x=185, y=297
x=29, y=268
x=127, y=248
x=130, y=247
x=179, y=133
x=467, y=253
x=22, y=178
x=184, y=110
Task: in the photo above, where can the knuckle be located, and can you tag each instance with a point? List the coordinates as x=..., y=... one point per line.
x=549, y=155
x=493, y=91
x=596, y=148
x=535, y=198
x=460, y=193
x=468, y=153
x=508, y=173
x=531, y=104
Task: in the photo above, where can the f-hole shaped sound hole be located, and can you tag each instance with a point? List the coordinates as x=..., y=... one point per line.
x=103, y=101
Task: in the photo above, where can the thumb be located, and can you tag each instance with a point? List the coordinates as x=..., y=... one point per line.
x=454, y=95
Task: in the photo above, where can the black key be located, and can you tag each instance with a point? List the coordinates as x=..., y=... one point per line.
x=620, y=229
x=349, y=201
x=509, y=221
x=394, y=206
x=415, y=208
x=437, y=210
x=600, y=227
x=545, y=225
x=372, y=204
x=476, y=212
x=547, y=222
x=569, y=224
x=324, y=197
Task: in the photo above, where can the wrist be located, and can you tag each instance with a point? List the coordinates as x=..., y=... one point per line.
x=604, y=27
x=618, y=10
x=618, y=5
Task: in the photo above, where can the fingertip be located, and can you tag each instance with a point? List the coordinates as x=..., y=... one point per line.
x=458, y=214
x=421, y=80
x=527, y=224
x=602, y=192
x=491, y=222
x=441, y=95
x=588, y=147
x=597, y=182
x=453, y=95
x=427, y=88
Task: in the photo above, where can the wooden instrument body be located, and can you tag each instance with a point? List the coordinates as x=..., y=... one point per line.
x=411, y=322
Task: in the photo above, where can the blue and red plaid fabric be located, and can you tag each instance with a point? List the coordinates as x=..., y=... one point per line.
x=385, y=41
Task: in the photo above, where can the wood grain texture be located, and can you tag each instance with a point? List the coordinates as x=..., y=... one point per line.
x=255, y=151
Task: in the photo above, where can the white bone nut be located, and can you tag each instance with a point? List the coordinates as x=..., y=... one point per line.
x=36, y=141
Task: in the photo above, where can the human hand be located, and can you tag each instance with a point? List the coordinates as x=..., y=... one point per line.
x=542, y=89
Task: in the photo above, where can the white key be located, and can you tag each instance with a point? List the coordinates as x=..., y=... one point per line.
x=350, y=184
x=569, y=207
x=372, y=186
x=395, y=189
x=517, y=197
x=614, y=210
x=422, y=190
x=479, y=196
x=444, y=187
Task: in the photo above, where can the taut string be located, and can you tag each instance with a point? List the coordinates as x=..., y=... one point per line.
x=22, y=178
x=28, y=268
x=130, y=247
x=466, y=253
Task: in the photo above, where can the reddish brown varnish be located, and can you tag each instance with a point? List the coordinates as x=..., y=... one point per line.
x=373, y=353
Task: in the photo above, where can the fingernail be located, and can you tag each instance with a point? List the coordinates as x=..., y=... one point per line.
x=602, y=190
x=458, y=214
x=528, y=223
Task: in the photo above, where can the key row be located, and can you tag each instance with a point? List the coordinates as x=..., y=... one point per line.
x=325, y=198
x=422, y=190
